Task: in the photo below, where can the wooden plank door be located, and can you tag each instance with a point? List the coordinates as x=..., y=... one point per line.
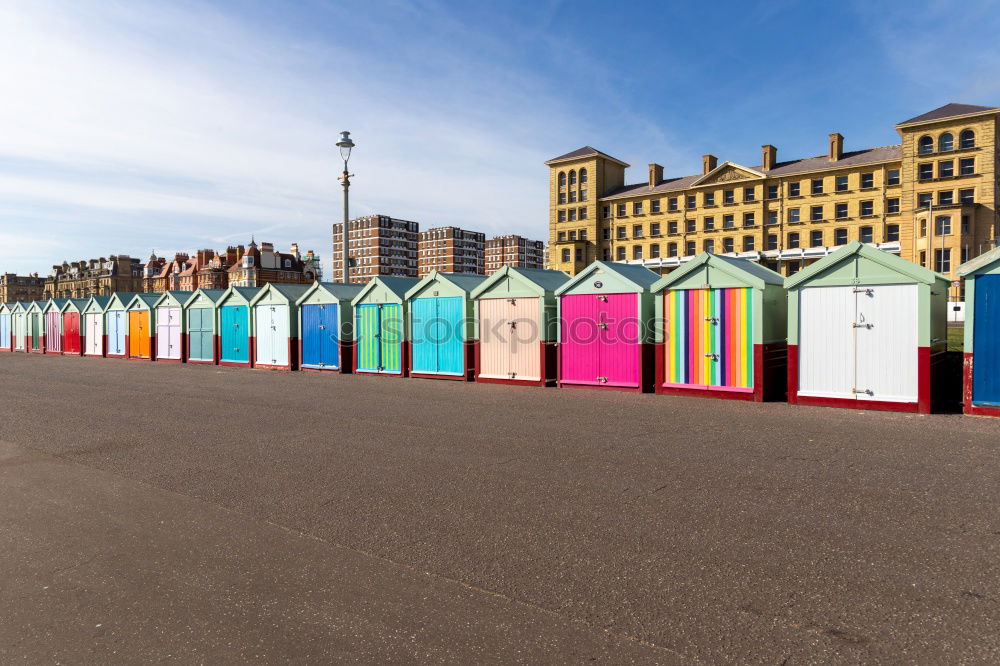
x=17, y=323
x=168, y=333
x=71, y=332
x=93, y=333
x=138, y=334
x=53, y=332
x=986, y=342
x=826, y=342
x=423, y=335
x=117, y=330
x=312, y=336
x=495, y=338
x=273, y=335
x=618, y=340
x=449, y=335
x=329, y=318
x=391, y=338
x=886, y=342
x=366, y=324
x=200, y=334
x=234, y=333
x=5, y=333
x=579, y=345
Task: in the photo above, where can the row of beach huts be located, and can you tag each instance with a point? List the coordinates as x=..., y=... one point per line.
x=860, y=328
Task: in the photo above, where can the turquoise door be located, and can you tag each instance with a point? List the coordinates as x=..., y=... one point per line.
x=201, y=334
x=438, y=336
x=234, y=333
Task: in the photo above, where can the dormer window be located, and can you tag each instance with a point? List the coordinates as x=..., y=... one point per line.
x=247, y=262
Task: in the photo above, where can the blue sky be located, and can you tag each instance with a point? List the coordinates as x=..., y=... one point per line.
x=133, y=125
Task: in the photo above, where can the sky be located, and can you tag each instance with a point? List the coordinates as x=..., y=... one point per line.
x=131, y=126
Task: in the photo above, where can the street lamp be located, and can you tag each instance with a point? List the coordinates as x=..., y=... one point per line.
x=345, y=144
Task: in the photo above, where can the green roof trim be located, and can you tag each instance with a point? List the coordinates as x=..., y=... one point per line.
x=539, y=280
x=397, y=285
x=741, y=269
x=149, y=300
x=338, y=291
x=639, y=276
x=291, y=292
x=211, y=294
x=464, y=283
x=859, y=249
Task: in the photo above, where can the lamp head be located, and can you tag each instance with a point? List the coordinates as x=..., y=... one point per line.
x=345, y=144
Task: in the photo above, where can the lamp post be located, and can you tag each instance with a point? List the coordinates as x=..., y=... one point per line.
x=345, y=144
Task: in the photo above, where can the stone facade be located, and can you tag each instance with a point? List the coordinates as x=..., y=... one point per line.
x=931, y=199
x=451, y=250
x=94, y=277
x=21, y=288
x=514, y=251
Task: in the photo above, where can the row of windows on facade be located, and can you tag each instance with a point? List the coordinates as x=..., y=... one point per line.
x=748, y=244
x=946, y=168
x=946, y=142
x=572, y=178
x=573, y=198
x=817, y=186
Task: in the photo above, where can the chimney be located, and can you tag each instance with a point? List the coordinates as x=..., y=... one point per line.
x=770, y=156
x=836, y=146
x=655, y=175
x=708, y=162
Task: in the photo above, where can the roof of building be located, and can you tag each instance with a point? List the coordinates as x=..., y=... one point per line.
x=586, y=151
x=949, y=110
x=983, y=261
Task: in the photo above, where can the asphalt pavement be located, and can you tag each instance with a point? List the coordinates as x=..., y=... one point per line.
x=196, y=514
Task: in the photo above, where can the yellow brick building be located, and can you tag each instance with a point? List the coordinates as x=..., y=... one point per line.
x=931, y=199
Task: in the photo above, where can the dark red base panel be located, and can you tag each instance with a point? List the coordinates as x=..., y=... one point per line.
x=770, y=372
x=967, y=406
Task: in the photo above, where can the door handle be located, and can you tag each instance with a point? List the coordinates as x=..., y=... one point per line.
x=857, y=325
x=714, y=320
x=714, y=357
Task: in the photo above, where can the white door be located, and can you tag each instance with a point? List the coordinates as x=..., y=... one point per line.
x=887, y=343
x=262, y=334
x=826, y=342
x=272, y=334
x=93, y=334
x=168, y=333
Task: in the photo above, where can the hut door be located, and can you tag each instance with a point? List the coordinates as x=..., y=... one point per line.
x=329, y=338
x=116, y=333
x=34, y=324
x=390, y=338
x=579, y=344
x=618, y=340
x=367, y=327
x=423, y=334
x=71, y=333
x=17, y=323
x=93, y=333
x=709, y=339
x=886, y=343
x=138, y=334
x=5, y=330
x=437, y=335
x=53, y=336
x=234, y=334
x=168, y=333
x=200, y=334
x=986, y=343
x=272, y=334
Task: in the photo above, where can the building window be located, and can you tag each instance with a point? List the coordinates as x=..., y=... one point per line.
x=606, y=212
x=583, y=234
x=967, y=166
x=942, y=225
x=867, y=208
x=925, y=171
x=583, y=214
x=793, y=189
x=793, y=215
x=793, y=240
x=923, y=228
x=892, y=177
x=654, y=206
x=967, y=196
x=606, y=254
x=654, y=251
x=967, y=139
x=709, y=223
x=689, y=248
x=671, y=249
x=866, y=234
x=572, y=178
x=925, y=146
x=946, y=198
x=772, y=191
x=728, y=221
x=622, y=212
x=728, y=245
x=867, y=181
x=840, y=211
x=637, y=208
x=924, y=199
x=840, y=236
x=817, y=186
x=748, y=220
x=562, y=217
x=946, y=142
x=708, y=245
x=748, y=242
x=654, y=229
x=772, y=217
x=572, y=196
x=562, y=200
x=622, y=234
x=690, y=226
x=841, y=183
x=892, y=205
x=942, y=260
x=606, y=233
x=637, y=252
x=748, y=194
x=729, y=196
x=583, y=176
x=562, y=236
x=620, y=253
x=562, y=179
x=565, y=255
x=572, y=214
x=583, y=195
x=946, y=169
x=892, y=233
x=572, y=235
x=772, y=241
x=965, y=254
x=672, y=227
x=816, y=238
x=965, y=224
x=816, y=213
x=709, y=198
x=637, y=231
x=672, y=203
x=691, y=201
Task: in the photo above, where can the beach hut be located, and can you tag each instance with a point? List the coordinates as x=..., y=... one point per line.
x=516, y=326
x=35, y=321
x=326, y=341
x=276, y=326
x=234, y=326
x=19, y=326
x=441, y=326
x=52, y=316
x=200, y=323
x=72, y=317
x=94, y=340
x=721, y=330
x=140, y=342
x=6, y=331
x=169, y=326
x=381, y=347
x=981, y=377
x=116, y=324
x=605, y=335
x=866, y=329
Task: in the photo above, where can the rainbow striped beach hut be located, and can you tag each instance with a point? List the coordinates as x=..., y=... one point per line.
x=722, y=330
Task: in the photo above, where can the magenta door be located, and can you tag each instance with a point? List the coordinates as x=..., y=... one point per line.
x=619, y=340
x=578, y=342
